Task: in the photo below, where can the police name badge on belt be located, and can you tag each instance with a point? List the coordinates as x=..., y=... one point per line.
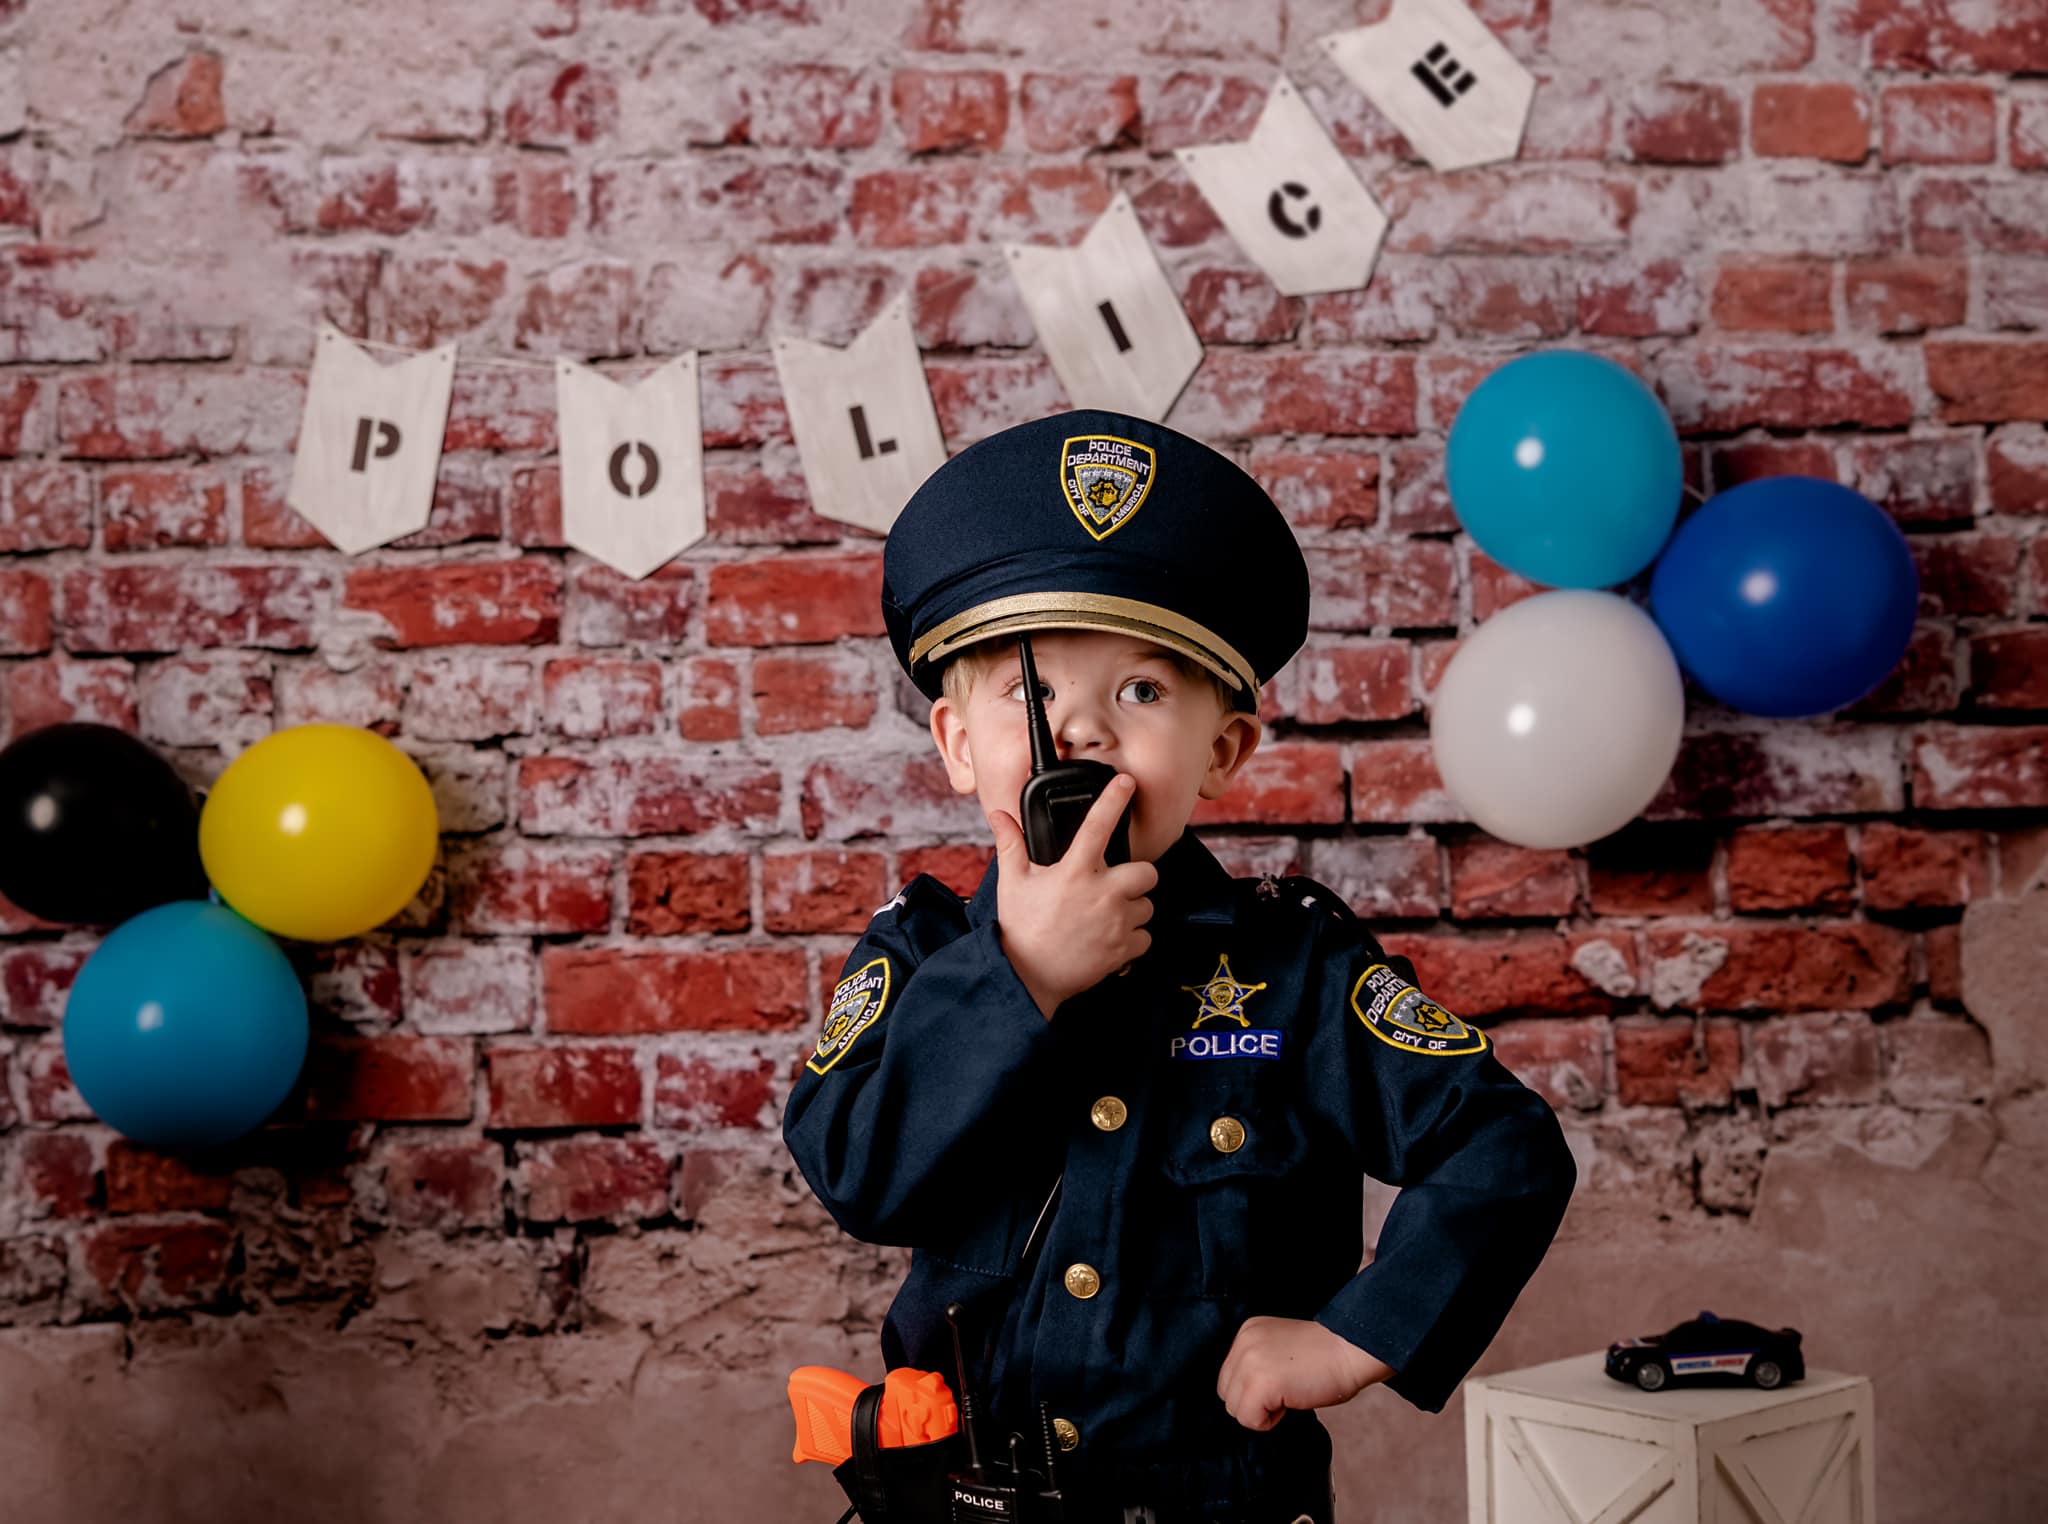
x=1223, y=998
x=1398, y=1013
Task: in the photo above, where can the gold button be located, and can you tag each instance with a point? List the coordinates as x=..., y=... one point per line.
x=1066, y=1433
x=1083, y=1281
x=1227, y=1133
x=1108, y=1113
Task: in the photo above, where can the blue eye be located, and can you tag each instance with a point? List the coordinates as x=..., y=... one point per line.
x=1044, y=691
x=1146, y=682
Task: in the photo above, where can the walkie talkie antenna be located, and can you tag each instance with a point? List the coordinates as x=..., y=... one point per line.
x=953, y=1312
x=1044, y=750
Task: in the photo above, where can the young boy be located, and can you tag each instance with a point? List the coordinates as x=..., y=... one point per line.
x=1121, y=1112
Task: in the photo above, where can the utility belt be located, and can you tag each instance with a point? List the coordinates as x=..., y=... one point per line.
x=937, y=1483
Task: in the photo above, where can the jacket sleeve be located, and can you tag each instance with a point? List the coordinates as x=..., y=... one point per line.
x=1484, y=1171
x=932, y=1061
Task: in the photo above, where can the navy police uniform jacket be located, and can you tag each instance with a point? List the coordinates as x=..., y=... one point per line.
x=1206, y=1117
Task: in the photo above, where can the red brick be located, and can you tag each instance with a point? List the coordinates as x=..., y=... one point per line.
x=1422, y=500
x=166, y=607
x=977, y=398
x=1676, y=1063
x=1851, y=965
x=2016, y=462
x=1524, y=972
x=1960, y=216
x=1570, y=118
x=1774, y=296
x=953, y=203
x=456, y=987
x=942, y=111
x=587, y=309
x=445, y=1185
x=1492, y=878
x=206, y=700
x=1752, y=459
x=1396, y=781
x=530, y=888
x=610, y=991
x=1629, y=298
x=1651, y=870
x=748, y=505
x=57, y=1177
x=1380, y=877
x=140, y=1179
x=1823, y=1058
x=1671, y=122
x=1907, y=293
x=645, y=796
x=552, y=105
x=1789, y=868
x=460, y=602
x=1191, y=108
x=1909, y=869
x=1972, y=573
x=1332, y=682
x=2015, y=294
x=1509, y=298
x=1285, y=782
x=2009, y=669
x=701, y=1094
x=153, y=509
x=821, y=891
x=1492, y=211
x=2028, y=127
x=1945, y=964
x=609, y=609
x=25, y=609
x=959, y=868
x=44, y=506
x=1562, y=1060
x=2004, y=37
x=389, y=1079
x=469, y=697
x=671, y=892
x=755, y=203
x=1972, y=768
x=1244, y=392
x=1321, y=491
x=2038, y=563
x=593, y=697
x=1936, y=1062
x=595, y=1179
x=429, y=300
x=1924, y=681
x=535, y=196
x=1927, y=480
x=567, y=1085
x=1400, y=304
x=793, y=600
x=1796, y=119
x=708, y=699
x=1239, y=307
x=1404, y=584
x=1722, y=390
x=876, y=796
x=968, y=307
x=1985, y=382
x=155, y=1266
x=812, y=691
x=1065, y=113
x=35, y=981
x=1946, y=123
x=810, y=105
x=181, y=100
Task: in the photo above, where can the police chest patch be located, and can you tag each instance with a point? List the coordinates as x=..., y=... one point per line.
x=1399, y=1014
x=857, y=1002
x=1107, y=479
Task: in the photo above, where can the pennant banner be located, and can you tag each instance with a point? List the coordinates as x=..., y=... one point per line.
x=1440, y=76
x=865, y=427
x=632, y=464
x=1289, y=198
x=1108, y=317
x=369, y=442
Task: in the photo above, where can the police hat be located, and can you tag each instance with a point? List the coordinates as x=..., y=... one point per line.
x=1096, y=521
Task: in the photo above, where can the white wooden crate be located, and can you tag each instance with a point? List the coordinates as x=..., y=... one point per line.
x=1565, y=1443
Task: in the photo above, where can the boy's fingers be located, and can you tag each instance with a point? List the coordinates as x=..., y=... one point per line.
x=1133, y=878
x=1009, y=841
x=1093, y=836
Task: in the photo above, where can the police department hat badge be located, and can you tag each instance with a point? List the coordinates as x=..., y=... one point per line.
x=1107, y=479
x=857, y=1002
x=1400, y=1015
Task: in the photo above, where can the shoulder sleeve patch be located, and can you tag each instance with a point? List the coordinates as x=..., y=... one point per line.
x=857, y=1002
x=1400, y=1015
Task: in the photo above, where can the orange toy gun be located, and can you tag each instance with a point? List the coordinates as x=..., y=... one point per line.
x=917, y=1407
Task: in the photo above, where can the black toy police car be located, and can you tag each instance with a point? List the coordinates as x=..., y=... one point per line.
x=1705, y=1348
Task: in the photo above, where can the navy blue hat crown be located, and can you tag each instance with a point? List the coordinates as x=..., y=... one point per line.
x=1096, y=521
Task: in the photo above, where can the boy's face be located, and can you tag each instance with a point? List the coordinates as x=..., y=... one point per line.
x=1108, y=698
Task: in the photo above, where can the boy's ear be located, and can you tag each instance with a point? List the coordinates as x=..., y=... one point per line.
x=949, y=734
x=1238, y=738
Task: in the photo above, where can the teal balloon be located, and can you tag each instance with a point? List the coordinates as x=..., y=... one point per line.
x=186, y=1028
x=1564, y=468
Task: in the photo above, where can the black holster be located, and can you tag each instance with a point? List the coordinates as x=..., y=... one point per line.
x=903, y=1484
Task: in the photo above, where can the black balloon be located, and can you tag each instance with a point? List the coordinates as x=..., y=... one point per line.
x=94, y=826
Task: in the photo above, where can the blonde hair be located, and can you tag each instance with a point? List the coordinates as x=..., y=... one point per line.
x=960, y=674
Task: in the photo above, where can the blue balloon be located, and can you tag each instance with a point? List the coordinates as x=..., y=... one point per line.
x=186, y=1027
x=1787, y=596
x=1565, y=468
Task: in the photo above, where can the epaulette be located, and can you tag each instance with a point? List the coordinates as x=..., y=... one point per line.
x=1298, y=889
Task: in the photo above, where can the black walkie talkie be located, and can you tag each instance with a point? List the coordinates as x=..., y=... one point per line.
x=1058, y=795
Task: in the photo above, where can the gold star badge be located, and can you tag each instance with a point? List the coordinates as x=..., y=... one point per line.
x=1222, y=995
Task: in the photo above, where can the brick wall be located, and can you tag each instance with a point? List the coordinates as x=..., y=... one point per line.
x=542, y=1107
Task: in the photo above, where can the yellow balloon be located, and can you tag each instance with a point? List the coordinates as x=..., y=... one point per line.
x=319, y=832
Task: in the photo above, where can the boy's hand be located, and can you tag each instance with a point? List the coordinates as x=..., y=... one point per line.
x=1067, y=925
x=1279, y=1363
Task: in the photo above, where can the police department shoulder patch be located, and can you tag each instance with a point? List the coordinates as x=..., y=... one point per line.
x=1400, y=1015
x=1107, y=479
x=857, y=1002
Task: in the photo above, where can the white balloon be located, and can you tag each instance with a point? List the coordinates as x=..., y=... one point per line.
x=1559, y=718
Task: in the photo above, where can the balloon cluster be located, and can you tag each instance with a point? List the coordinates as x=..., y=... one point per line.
x=1560, y=718
x=187, y=1025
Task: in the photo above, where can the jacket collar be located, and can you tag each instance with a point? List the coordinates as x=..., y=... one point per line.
x=1192, y=886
